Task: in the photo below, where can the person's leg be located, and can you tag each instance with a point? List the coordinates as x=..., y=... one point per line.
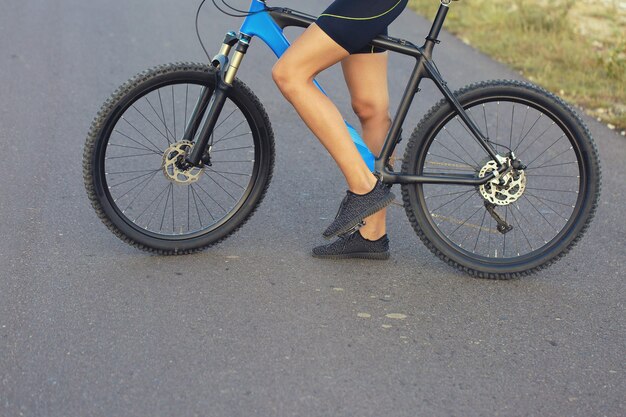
x=310, y=54
x=366, y=77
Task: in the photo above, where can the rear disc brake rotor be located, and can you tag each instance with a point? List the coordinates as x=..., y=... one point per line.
x=504, y=190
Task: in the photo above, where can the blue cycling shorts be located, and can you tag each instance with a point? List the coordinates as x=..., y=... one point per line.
x=354, y=23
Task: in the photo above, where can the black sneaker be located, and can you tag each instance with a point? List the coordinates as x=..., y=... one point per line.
x=355, y=207
x=354, y=246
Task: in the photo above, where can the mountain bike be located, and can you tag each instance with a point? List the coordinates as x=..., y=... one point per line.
x=499, y=179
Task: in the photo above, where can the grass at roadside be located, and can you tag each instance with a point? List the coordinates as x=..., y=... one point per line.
x=574, y=48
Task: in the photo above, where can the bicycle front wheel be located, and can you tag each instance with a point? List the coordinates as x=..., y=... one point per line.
x=133, y=170
x=536, y=213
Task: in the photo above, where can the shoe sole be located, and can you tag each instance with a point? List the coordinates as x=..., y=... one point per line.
x=359, y=255
x=374, y=209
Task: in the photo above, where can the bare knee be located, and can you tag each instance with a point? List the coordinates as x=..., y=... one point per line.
x=370, y=109
x=287, y=78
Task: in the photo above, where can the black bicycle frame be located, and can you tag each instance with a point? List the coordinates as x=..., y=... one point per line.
x=424, y=68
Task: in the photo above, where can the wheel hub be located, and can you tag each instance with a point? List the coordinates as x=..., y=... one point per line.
x=505, y=189
x=174, y=166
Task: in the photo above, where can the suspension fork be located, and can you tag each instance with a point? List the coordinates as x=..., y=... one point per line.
x=214, y=100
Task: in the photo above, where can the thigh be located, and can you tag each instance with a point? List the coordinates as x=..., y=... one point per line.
x=366, y=78
x=312, y=52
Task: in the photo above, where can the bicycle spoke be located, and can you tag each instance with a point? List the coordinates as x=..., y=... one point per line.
x=521, y=230
x=506, y=217
x=536, y=139
x=465, y=221
x=540, y=213
x=212, y=199
x=453, y=153
x=231, y=173
x=220, y=139
x=150, y=205
x=529, y=223
x=511, y=135
x=233, y=137
x=186, y=103
x=552, y=201
x=454, y=199
x=193, y=193
x=223, y=189
x=515, y=238
x=461, y=205
x=137, y=130
x=174, y=112
x=485, y=117
x=448, y=159
x=556, y=156
x=552, y=190
x=163, y=114
x=131, y=156
x=150, y=122
x=444, y=195
x=132, y=172
x=469, y=132
x=231, y=149
x=548, y=207
x=204, y=205
x=458, y=143
x=552, y=176
x=228, y=179
x=527, y=133
x=222, y=122
x=480, y=229
x=129, y=180
x=167, y=199
x=521, y=132
x=550, y=166
x=167, y=131
x=546, y=150
x=147, y=181
x=158, y=151
x=131, y=147
x=246, y=160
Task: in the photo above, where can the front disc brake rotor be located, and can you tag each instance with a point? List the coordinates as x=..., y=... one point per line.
x=172, y=165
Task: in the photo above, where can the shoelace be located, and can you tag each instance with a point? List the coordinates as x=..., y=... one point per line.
x=342, y=204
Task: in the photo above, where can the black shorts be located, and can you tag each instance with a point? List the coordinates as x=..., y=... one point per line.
x=354, y=23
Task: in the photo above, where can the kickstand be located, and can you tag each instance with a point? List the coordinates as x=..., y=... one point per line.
x=503, y=227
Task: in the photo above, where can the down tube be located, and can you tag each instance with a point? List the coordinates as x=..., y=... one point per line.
x=263, y=26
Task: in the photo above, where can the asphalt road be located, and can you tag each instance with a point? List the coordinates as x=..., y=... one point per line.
x=254, y=326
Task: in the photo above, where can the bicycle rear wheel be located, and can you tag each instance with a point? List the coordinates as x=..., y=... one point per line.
x=132, y=161
x=536, y=214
